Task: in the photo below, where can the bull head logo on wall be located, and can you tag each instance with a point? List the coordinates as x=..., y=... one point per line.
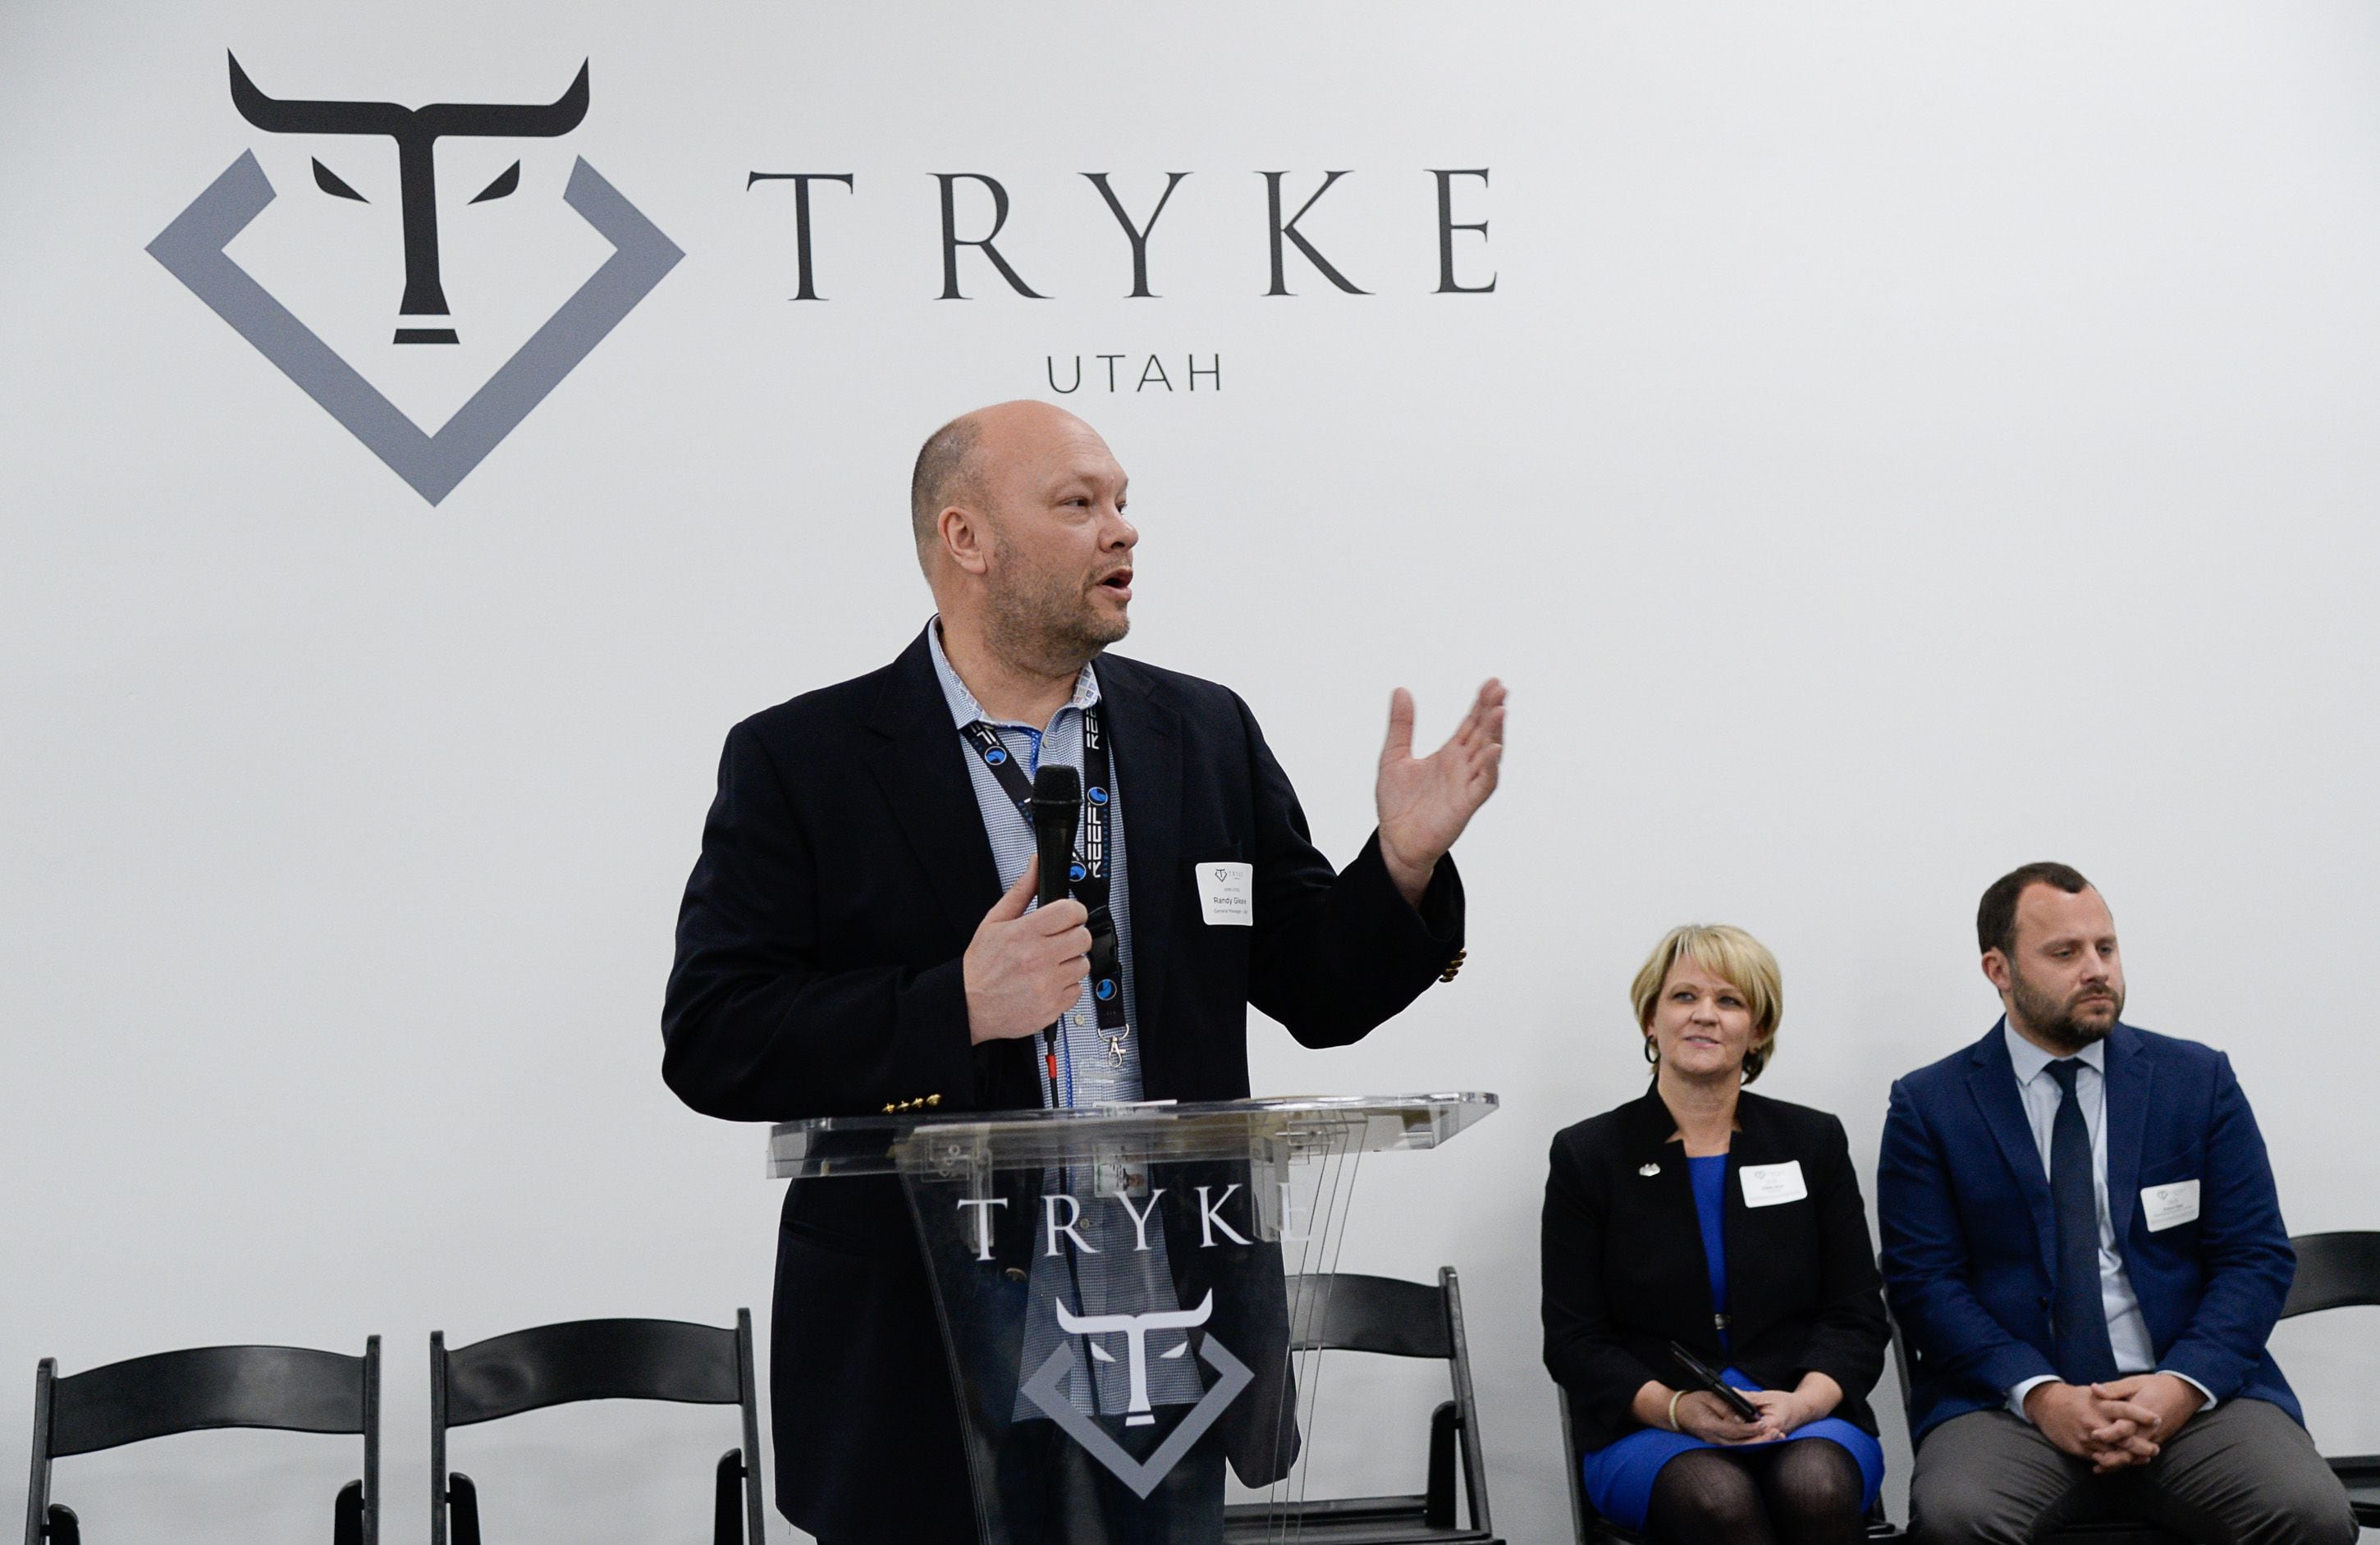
x=192, y=249
x=417, y=131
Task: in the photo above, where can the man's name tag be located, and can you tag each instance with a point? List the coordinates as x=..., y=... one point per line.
x=1767, y=1185
x=1227, y=893
x=1118, y=1173
x=2164, y=1206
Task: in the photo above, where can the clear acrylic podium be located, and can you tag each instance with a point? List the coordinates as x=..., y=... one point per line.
x=1114, y=1288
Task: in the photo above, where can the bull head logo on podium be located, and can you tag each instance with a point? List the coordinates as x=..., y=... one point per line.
x=1134, y=1328
x=1046, y=1390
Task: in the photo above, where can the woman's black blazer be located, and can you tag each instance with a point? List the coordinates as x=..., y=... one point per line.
x=1624, y=1273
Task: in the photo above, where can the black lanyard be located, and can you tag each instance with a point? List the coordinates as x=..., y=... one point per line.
x=1087, y=877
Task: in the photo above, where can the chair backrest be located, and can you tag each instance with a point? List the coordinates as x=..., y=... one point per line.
x=292, y=1389
x=2335, y=1271
x=1346, y=1311
x=1899, y=1364
x=1573, y=1467
x=597, y=1359
x=585, y=1359
x=1349, y=1311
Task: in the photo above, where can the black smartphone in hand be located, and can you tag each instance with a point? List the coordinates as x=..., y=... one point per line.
x=1707, y=1376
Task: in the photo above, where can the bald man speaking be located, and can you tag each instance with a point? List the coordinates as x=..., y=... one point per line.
x=858, y=931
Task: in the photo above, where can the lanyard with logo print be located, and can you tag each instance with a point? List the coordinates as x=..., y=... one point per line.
x=1086, y=876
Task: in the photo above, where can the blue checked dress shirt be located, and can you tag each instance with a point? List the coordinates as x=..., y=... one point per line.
x=1119, y=1279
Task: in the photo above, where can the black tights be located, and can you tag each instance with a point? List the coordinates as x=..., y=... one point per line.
x=1798, y=1493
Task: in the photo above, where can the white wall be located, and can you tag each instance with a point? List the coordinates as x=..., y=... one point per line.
x=1904, y=441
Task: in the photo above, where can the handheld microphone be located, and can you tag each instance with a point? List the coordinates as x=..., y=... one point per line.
x=1056, y=805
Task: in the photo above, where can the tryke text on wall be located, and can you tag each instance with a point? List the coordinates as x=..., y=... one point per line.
x=1135, y=233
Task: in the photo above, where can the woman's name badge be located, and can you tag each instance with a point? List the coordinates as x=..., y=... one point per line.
x=1226, y=893
x=1767, y=1185
x=2164, y=1206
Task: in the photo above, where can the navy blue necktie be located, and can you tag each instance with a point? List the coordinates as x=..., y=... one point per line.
x=2084, y=1354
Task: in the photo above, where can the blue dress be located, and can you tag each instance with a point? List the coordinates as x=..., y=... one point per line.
x=1619, y=1476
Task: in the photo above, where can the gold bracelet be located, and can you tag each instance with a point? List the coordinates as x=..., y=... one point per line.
x=1675, y=1395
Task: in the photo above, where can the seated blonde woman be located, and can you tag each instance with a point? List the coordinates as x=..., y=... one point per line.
x=1732, y=1226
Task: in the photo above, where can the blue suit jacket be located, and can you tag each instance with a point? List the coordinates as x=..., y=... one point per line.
x=1970, y=1236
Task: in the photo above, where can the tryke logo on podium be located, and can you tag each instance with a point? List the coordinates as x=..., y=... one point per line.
x=1046, y=1389
x=192, y=249
x=1062, y=1213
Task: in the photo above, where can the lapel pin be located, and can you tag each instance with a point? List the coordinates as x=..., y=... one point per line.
x=1649, y=1171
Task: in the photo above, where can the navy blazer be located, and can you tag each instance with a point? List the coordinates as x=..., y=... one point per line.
x=1624, y=1272
x=1971, y=1238
x=844, y=870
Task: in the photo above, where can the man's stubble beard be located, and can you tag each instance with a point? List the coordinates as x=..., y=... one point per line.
x=2054, y=1020
x=1046, y=623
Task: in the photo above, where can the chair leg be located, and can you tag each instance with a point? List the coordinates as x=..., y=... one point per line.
x=727, y=1499
x=1438, y=1505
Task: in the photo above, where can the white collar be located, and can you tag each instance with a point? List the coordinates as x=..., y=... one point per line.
x=2030, y=1061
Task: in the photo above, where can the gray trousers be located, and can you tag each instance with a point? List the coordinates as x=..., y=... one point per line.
x=2242, y=1474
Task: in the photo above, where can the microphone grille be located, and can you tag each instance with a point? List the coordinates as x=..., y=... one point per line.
x=1058, y=785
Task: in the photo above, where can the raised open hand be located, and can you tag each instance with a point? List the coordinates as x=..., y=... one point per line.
x=1425, y=801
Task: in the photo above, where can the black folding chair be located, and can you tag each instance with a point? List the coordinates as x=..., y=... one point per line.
x=292, y=1389
x=2106, y=1531
x=2341, y=1271
x=1590, y=1527
x=596, y=1360
x=1587, y=1527
x=1348, y=1312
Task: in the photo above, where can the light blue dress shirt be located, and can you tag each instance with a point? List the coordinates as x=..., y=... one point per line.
x=1089, y=1073
x=1114, y=1276
x=2128, y=1331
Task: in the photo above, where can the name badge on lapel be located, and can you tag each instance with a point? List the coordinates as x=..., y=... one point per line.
x=1226, y=893
x=2164, y=1206
x=1767, y=1185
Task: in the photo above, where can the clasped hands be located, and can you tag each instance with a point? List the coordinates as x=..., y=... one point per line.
x=1703, y=1414
x=1700, y=1414
x=2117, y=1424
